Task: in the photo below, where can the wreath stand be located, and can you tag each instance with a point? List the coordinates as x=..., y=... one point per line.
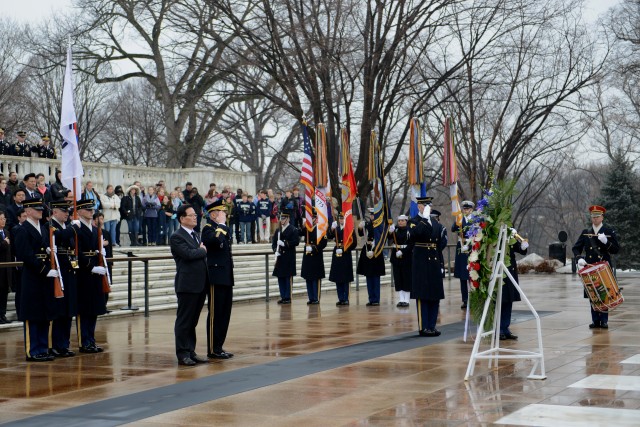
x=496, y=353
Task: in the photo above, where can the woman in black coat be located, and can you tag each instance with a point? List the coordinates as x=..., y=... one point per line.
x=131, y=208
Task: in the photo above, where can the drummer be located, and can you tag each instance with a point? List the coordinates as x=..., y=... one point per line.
x=598, y=243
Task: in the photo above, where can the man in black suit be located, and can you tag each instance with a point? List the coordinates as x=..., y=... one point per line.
x=191, y=284
x=217, y=238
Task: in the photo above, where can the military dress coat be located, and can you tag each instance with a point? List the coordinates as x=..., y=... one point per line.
x=285, y=265
x=594, y=249
x=313, y=263
x=462, y=258
x=509, y=292
x=5, y=148
x=37, y=301
x=369, y=266
x=401, y=266
x=22, y=150
x=45, y=152
x=217, y=238
x=426, y=280
x=341, y=266
x=91, y=301
x=65, y=244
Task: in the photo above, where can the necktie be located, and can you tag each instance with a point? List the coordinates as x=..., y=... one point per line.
x=2, y=234
x=195, y=237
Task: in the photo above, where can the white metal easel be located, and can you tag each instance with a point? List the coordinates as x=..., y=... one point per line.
x=496, y=353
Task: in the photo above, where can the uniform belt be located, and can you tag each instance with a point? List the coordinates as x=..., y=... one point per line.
x=90, y=253
x=427, y=245
x=42, y=256
x=402, y=246
x=65, y=252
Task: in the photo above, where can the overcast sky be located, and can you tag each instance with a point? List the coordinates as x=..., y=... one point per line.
x=34, y=10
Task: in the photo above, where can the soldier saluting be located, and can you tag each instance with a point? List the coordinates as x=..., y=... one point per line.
x=44, y=148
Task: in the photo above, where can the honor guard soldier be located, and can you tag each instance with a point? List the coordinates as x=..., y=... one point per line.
x=37, y=301
x=64, y=241
x=426, y=287
x=44, y=148
x=313, y=261
x=342, y=262
x=370, y=265
x=284, y=244
x=91, y=300
x=21, y=148
x=401, y=260
x=5, y=147
x=216, y=236
x=509, y=292
x=598, y=242
x=462, y=252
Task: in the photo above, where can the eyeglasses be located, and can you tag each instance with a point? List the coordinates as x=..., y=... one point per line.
x=192, y=215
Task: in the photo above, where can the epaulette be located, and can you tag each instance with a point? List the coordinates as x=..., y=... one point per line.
x=220, y=231
x=207, y=225
x=412, y=225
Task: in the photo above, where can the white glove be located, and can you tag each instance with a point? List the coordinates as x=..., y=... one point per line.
x=465, y=248
x=399, y=254
x=338, y=251
x=280, y=242
x=603, y=238
x=524, y=245
x=334, y=225
x=55, y=250
x=75, y=222
x=307, y=248
x=53, y=273
x=99, y=270
x=442, y=271
x=361, y=225
x=513, y=231
x=103, y=251
x=369, y=254
x=426, y=212
x=581, y=263
x=392, y=228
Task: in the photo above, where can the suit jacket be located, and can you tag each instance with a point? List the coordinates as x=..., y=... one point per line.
x=191, y=263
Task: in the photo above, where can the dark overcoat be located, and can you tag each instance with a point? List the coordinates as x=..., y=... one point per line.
x=217, y=239
x=427, y=266
x=285, y=265
x=401, y=266
x=342, y=266
x=91, y=301
x=313, y=262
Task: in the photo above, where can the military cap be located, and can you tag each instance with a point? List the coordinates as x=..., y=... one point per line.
x=286, y=213
x=2, y=130
x=597, y=210
x=46, y=137
x=402, y=217
x=435, y=213
x=34, y=203
x=424, y=200
x=340, y=215
x=218, y=205
x=21, y=133
x=63, y=205
x=468, y=204
x=88, y=204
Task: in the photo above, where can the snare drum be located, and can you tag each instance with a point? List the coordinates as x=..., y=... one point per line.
x=601, y=286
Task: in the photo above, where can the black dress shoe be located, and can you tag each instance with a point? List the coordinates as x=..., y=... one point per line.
x=339, y=303
x=220, y=355
x=65, y=352
x=423, y=333
x=316, y=302
x=40, y=358
x=503, y=337
x=227, y=353
x=89, y=349
x=594, y=325
x=433, y=333
x=286, y=301
x=198, y=359
x=400, y=304
x=604, y=326
x=186, y=362
x=510, y=336
x=464, y=305
x=55, y=353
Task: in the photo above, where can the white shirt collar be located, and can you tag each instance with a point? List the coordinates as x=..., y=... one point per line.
x=35, y=224
x=596, y=229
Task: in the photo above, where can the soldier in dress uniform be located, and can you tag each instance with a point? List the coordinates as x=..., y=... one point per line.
x=401, y=260
x=64, y=236
x=462, y=252
x=313, y=261
x=21, y=148
x=509, y=292
x=91, y=300
x=5, y=147
x=598, y=243
x=426, y=281
x=44, y=148
x=284, y=244
x=37, y=305
x=342, y=261
x=217, y=238
x=369, y=265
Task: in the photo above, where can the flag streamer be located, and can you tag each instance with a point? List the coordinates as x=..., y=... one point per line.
x=381, y=212
x=415, y=167
x=450, y=169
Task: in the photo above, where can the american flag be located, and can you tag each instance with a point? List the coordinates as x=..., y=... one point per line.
x=306, y=178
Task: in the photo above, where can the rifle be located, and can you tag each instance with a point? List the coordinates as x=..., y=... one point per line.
x=102, y=262
x=58, y=288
